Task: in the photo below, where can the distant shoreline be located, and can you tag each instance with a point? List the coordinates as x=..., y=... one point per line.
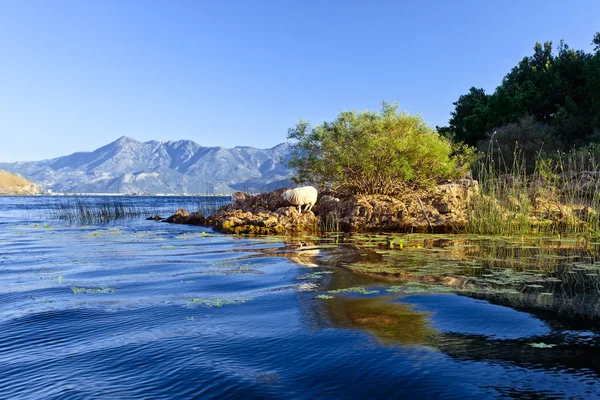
x=115, y=195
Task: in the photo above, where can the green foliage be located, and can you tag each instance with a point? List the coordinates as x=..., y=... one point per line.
x=373, y=152
x=560, y=89
x=528, y=139
x=560, y=196
x=469, y=118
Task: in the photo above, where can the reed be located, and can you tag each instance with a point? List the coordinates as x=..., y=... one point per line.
x=91, y=210
x=561, y=196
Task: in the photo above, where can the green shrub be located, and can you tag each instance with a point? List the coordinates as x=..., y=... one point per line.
x=374, y=152
x=528, y=138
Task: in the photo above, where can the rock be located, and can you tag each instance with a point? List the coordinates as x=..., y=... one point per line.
x=155, y=218
x=181, y=216
x=283, y=220
x=452, y=197
x=441, y=209
x=270, y=201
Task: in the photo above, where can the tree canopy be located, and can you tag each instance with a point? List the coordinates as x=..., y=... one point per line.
x=373, y=152
x=558, y=88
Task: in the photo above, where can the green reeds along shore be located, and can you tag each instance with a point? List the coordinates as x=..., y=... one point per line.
x=561, y=196
x=88, y=210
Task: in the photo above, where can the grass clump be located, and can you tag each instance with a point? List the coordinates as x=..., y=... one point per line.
x=561, y=195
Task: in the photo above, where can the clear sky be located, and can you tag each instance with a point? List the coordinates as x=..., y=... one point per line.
x=75, y=75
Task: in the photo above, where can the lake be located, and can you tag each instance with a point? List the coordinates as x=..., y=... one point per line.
x=145, y=309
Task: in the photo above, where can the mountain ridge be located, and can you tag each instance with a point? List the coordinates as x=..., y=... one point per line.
x=128, y=166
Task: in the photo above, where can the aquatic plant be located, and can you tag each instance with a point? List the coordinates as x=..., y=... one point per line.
x=542, y=345
x=324, y=296
x=415, y=287
x=359, y=290
x=104, y=209
x=219, y=301
x=99, y=290
x=314, y=275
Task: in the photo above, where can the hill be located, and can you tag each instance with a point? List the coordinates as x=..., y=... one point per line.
x=128, y=166
x=17, y=185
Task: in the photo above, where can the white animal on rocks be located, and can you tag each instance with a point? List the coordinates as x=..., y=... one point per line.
x=301, y=196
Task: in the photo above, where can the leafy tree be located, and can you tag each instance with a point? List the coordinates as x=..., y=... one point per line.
x=558, y=88
x=373, y=152
x=469, y=118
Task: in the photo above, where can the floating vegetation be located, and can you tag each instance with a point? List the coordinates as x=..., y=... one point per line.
x=324, y=296
x=99, y=290
x=314, y=275
x=219, y=301
x=415, y=287
x=360, y=290
x=542, y=345
x=541, y=272
x=307, y=287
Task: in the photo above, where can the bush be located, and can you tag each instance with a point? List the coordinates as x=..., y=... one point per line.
x=374, y=152
x=527, y=140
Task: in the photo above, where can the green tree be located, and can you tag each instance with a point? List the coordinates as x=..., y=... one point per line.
x=469, y=119
x=558, y=88
x=373, y=152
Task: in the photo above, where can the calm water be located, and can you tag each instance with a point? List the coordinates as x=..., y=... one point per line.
x=143, y=309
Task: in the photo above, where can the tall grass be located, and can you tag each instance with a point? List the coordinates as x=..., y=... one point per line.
x=561, y=196
x=92, y=209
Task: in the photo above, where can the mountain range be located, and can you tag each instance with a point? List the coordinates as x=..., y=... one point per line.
x=128, y=166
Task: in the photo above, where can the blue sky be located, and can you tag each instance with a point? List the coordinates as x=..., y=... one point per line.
x=75, y=75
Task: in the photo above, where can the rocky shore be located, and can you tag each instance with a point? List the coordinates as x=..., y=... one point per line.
x=440, y=209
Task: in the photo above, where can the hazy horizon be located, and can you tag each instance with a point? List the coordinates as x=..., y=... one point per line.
x=78, y=75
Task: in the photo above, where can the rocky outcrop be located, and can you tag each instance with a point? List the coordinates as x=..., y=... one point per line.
x=183, y=217
x=11, y=184
x=441, y=209
x=266, y=213
x=285, y=220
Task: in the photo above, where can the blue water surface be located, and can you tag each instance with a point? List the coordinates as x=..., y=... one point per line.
x=140, y=309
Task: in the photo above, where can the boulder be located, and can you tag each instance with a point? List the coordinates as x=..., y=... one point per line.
x=181, y=216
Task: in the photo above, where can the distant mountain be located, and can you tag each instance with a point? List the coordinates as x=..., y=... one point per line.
x=129, y=166
x=14, y=184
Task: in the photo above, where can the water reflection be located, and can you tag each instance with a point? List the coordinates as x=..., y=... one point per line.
x=391, y=323
x=515, y=304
